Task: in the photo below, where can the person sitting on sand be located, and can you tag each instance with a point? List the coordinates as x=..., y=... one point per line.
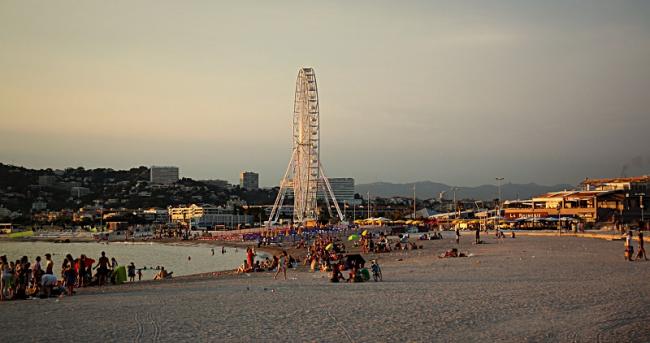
x=352, y=275
x=336, y=274
x=162, y=274
x=244, y=268
x=452, y=253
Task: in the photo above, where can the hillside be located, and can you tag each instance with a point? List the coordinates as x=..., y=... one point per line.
x=428, y=189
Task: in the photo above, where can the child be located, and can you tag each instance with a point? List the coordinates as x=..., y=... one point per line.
x=629, y=249
x=139, y=274
x=376, y=270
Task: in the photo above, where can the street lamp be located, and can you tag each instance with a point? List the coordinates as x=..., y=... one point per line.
x=368, y=204
x=641, y=195
x=498, y=211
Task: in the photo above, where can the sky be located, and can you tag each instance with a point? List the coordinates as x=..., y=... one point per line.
x=454, y=91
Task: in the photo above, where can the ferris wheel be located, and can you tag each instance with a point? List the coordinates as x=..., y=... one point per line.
x=304, y=175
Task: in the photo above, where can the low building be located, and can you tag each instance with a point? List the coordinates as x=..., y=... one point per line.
x=207, y=217
x=156, y=215
x=590, y=206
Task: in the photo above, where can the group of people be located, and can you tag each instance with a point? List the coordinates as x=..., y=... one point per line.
x=629, y=247
x=23, y=279
x=280, y=263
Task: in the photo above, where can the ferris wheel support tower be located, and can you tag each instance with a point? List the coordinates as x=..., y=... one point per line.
x=305, y=172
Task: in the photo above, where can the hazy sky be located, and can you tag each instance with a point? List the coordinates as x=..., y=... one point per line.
x=451, y=91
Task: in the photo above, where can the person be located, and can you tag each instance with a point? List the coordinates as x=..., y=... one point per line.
x=49, y=264
x=336, y=273
x=5, y=277
x=243, y=268
x=223, y=250
x=114, y=264
x=139, y=274
x=641, y=252
x=36, y=272
x=131, y=271
x=376, y=270
x=81, y=270
x=48, y=282
x=282, y=265
x=69, y=274
x=250, y=256
x=102, y=269
x=629, y=249
x=162, y=274
x=478, y=235
x=457, y=235
x=212, y=249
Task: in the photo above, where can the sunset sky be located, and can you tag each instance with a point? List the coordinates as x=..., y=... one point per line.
x=450, y=91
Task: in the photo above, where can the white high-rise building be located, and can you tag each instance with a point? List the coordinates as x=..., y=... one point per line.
x=249, y=180
x=163, y=175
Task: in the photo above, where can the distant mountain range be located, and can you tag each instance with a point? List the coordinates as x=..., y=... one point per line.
x=428, y=189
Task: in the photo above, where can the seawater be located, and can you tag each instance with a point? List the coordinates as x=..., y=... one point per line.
x=174, y=257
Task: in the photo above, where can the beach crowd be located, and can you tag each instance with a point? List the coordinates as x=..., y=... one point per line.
x=24, y=279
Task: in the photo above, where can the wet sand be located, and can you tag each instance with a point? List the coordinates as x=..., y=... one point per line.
x=549, y=289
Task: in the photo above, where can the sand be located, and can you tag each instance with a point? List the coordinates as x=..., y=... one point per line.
x=548, y=289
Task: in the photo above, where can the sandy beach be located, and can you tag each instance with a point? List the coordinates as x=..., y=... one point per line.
x=547, y=289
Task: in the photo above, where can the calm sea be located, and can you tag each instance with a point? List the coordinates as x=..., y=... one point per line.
x=173, y=257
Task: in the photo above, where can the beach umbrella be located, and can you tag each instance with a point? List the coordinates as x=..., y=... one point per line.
x=353, y=237
x=329, y=246
x=364, y=233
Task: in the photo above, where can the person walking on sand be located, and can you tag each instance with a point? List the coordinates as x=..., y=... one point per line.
x=629, y=249
x=457, y=235
x=478, y=235
x=282, y=265
x=641, y=252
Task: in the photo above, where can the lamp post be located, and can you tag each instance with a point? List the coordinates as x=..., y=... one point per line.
x=368, y=204
x=641, y=195
x=559, y=221
x=498, y=208
x=414, y=202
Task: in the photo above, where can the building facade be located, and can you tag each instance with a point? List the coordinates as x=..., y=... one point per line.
x=249, y=180
x=342, y=187
x=207, y=217
x=163, y=175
